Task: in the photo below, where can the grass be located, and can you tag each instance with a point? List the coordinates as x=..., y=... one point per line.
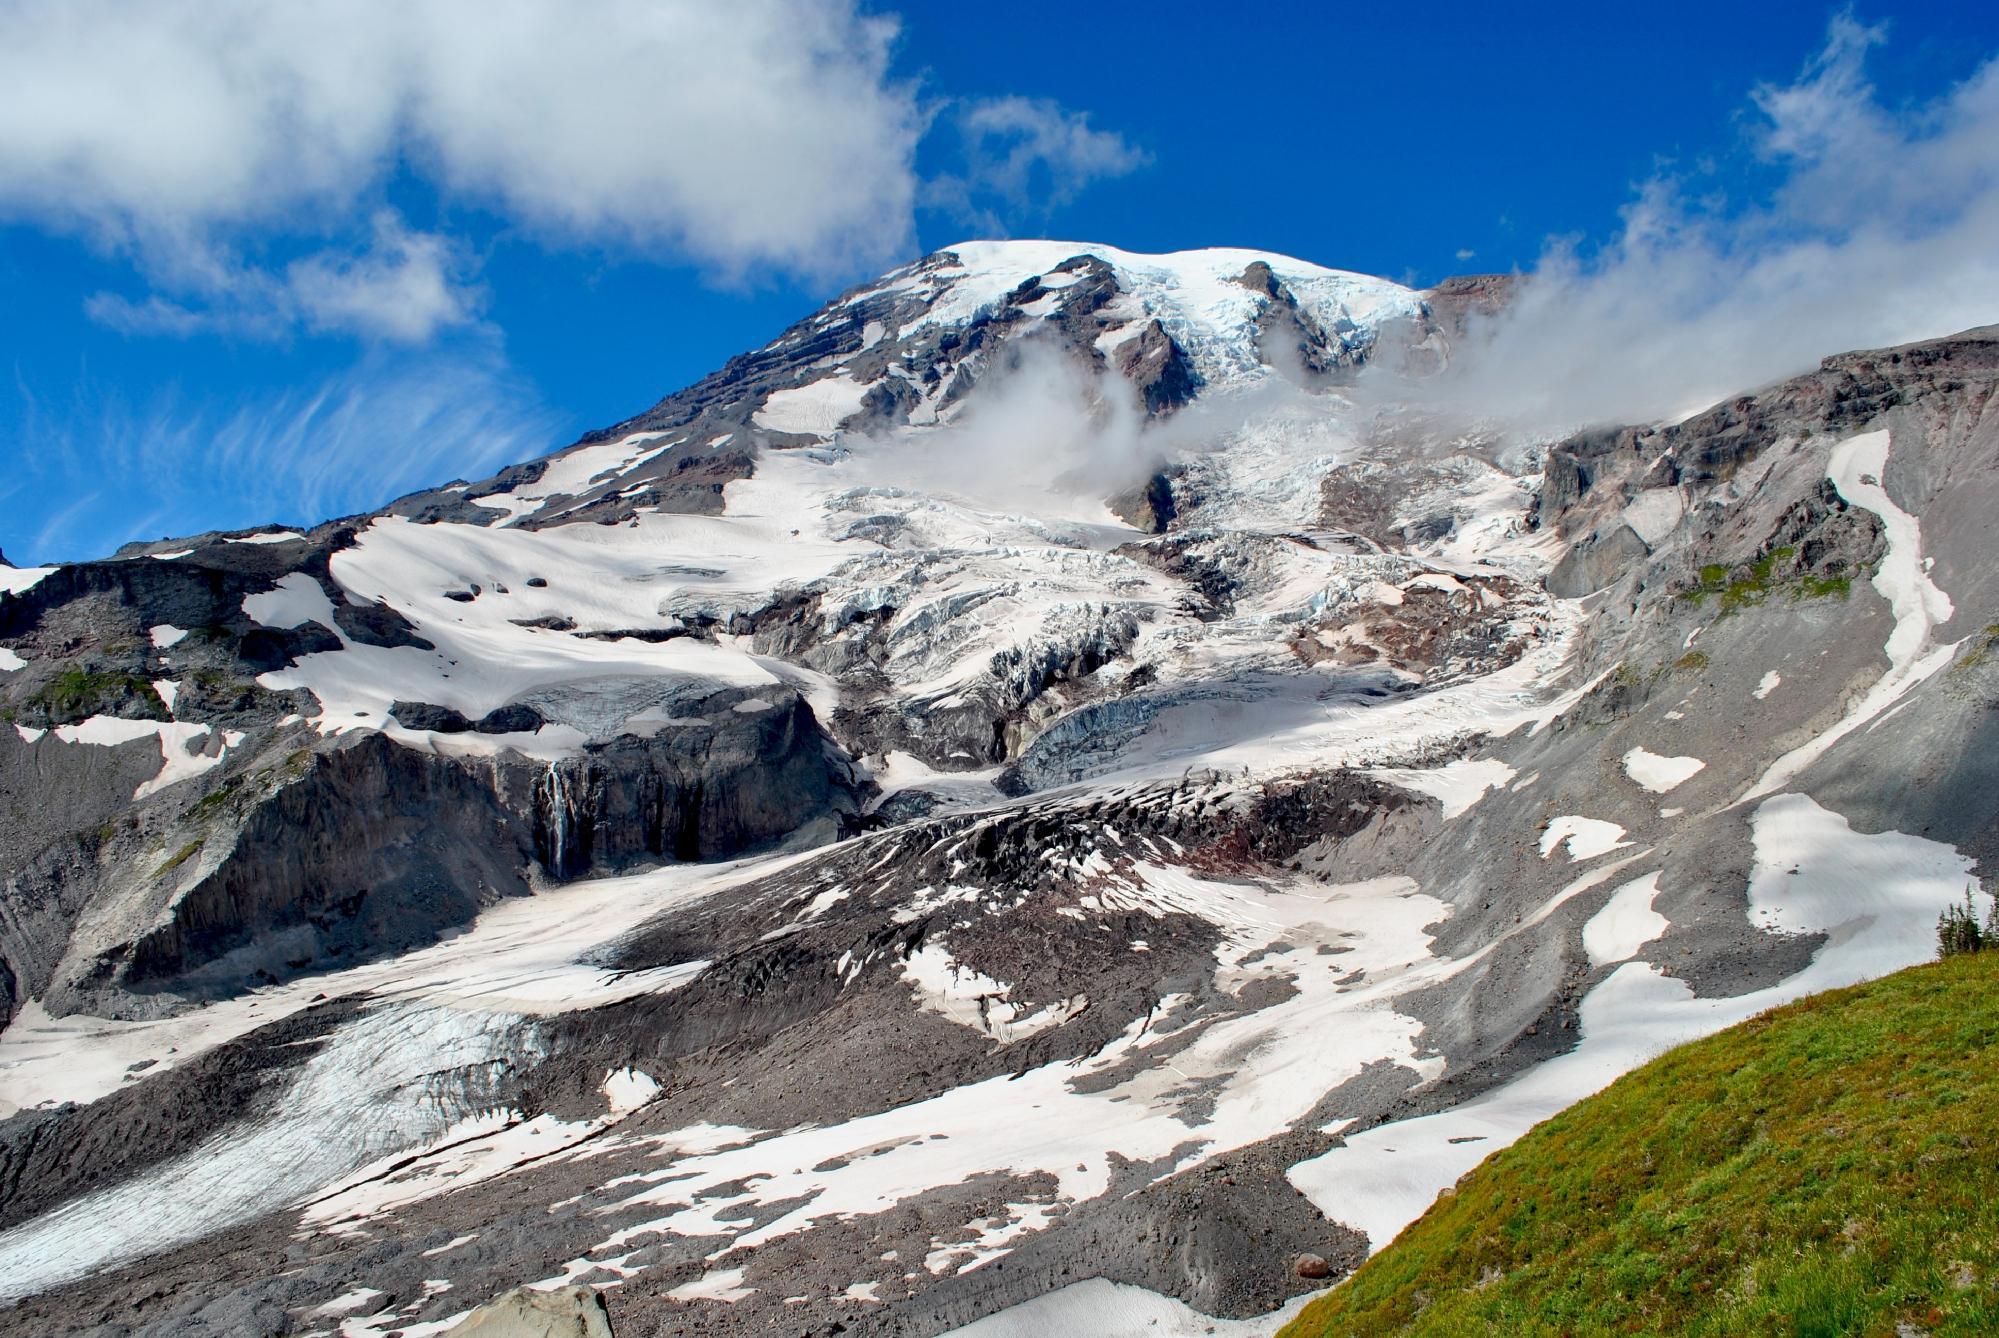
x=1827, y=1168
x=1742, y=587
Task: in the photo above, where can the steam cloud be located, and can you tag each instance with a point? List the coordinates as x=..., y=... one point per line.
x=1043, y=433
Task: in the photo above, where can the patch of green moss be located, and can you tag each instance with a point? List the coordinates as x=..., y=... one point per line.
x=1823, y=587
x=77, y=693
x=1759, y=581
x=1693, y=661
x=1982, y=644
x=213, y=802
x=179, y=857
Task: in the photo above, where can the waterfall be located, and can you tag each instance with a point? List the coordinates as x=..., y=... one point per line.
x=554, y=796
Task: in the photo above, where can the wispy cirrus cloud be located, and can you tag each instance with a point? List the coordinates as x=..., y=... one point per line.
x=387, y=426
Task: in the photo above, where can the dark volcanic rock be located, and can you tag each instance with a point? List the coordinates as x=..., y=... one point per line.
x=357, y=847
x=512, y=719
x=1159, y=369
x=427, y=715
x=1148, y=507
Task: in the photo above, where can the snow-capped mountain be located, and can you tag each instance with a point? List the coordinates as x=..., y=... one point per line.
x=1046, y=793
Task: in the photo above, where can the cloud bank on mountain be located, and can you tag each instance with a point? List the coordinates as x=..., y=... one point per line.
x=1877, y=229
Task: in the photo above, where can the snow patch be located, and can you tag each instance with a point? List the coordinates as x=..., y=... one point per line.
x=1626, y=923
x=1586, y=838
x=1903, y=580
x=1660, y=774
x=817, y=408
x=628, y=1088
x=1769, y=685
x=974, y=1000
x=1457, y=785
x=724, y=1284
x=184, y=747
x=297, y=599
x=16, y=579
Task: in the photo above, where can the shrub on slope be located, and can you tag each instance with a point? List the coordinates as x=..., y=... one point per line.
x=1831, y=1167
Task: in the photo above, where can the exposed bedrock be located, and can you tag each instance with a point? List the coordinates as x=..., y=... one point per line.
x=1597, y=561
x=373, y=844
x=742, y=770
x=1222, y=1236
x=1846, y=394
x=361, y=847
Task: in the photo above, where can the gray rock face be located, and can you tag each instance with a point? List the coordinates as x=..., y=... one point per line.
x=1463, y=299
x=1596, y=561
x=1847, y=393
x=362, y=847
x=1149, y=507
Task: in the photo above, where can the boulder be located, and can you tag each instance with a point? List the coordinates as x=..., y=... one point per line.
x=1596, y=562
x=567, y=1312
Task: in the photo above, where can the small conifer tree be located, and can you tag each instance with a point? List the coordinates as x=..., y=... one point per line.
x=1958, y=930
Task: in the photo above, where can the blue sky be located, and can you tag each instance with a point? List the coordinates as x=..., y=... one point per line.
x=255, y=269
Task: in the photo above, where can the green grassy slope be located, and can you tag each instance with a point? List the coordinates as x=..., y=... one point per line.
x=1829, y=1168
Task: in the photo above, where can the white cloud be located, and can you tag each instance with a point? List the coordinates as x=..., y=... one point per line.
x=1022, y=148
x=1025, y=156
x=747, y=136
x=1879, y=231
x=404, y=287
x=400, y=288
x=762, y=132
